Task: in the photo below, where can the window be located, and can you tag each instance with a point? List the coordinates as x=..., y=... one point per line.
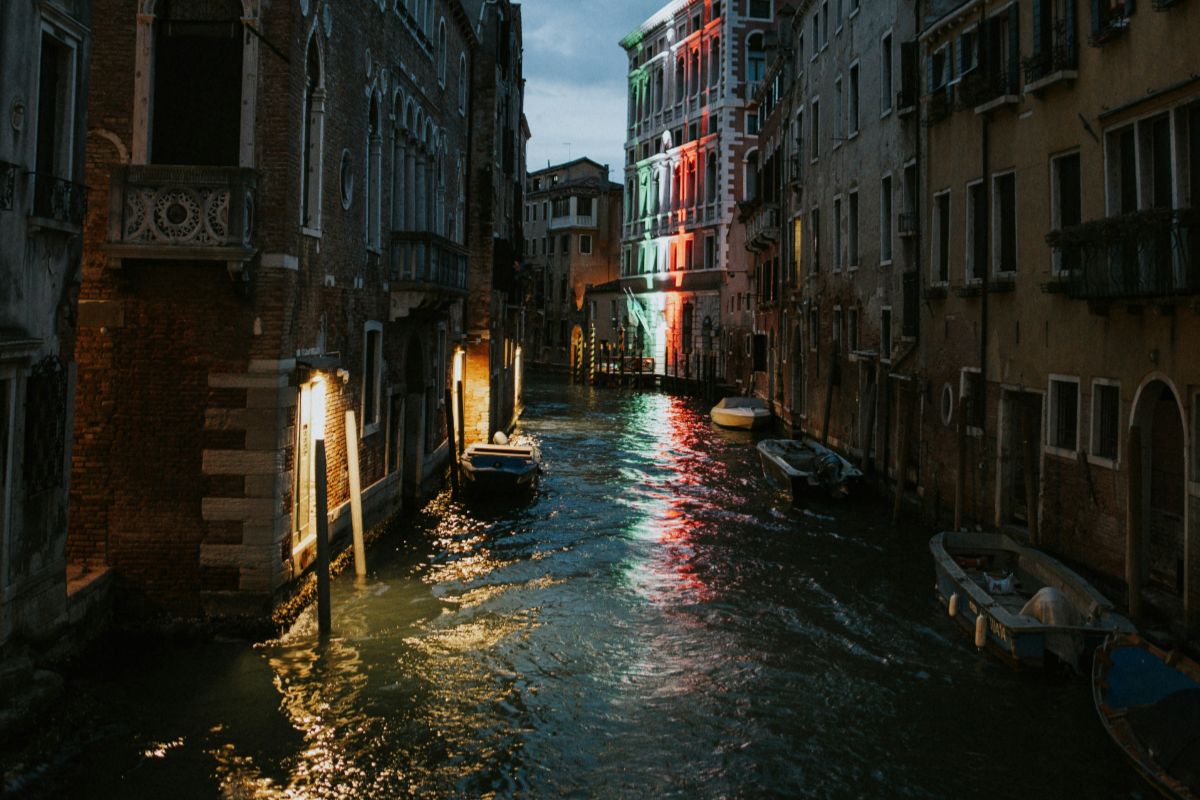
x=372, y=376
x=815, y=122
x=885, y=220
x=1065, y=206
x=816, y=34
x=710, y=255
x=837, y=234
x=550, y=241
x=373, y=180
x=462, y=83
x=839, y=111
x=825, y=23
x=885, y=75
x=7, y=389
x=1004, y=217
x=714, y=62
x=840, y=6
x=756, y=58
x=853, y=100
x=1110, y=18
x=971, y=390
x=885, y=335
x=814, y=230
x=976, y=231
x=689, y=254
x=852, y=330
x=1063, y=431
x=968, y=51
x=852, y=237
x=347, y=179
x=758, y=9
x=837, y=330
x=585, y=244
x=1106, y=419
x=941, y=237
x=312, y=144
x=562, y=207
x=441, y=52
x=814, y=327
x=565, y=241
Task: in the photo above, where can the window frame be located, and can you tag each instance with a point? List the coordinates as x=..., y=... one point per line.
x=371, y=425
x=1052, y=432
x=887, y=73
x=935, y=278
x=964, y=391
x=886, y=320
x=887, y=214
x=1093, y=424
x=971, y=274
x=996, y=225
x=1056, y=202
x=854, y=99
x=582, y=238
x=853, y=240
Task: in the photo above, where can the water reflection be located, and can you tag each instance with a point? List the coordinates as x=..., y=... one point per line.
x=655, y=624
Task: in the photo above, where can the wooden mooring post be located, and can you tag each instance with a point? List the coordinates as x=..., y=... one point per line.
x=450, y=432
x=1133, y=534
x=960, y=478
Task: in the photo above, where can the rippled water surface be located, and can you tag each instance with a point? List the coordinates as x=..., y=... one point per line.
x=656, y=624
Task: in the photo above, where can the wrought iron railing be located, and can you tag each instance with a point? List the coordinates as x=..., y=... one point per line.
x=763, y=228
x=183, y=206
x=907, y=223
x=428, y=259
x=8, y=185
x=1059, y=54
x=982, y=86
x=1145, y=254
x=59, y=199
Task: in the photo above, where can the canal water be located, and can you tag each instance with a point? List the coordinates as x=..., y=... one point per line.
x=656, y=624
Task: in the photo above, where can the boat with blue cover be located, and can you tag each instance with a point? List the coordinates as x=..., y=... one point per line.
x=1149, y=702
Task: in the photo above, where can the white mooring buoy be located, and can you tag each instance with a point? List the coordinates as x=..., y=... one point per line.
x=952, y=606
x=980, y=631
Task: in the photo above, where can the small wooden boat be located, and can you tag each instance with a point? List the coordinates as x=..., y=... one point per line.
x=745, y=413
x=500, y=471
x=1020, y=603
x=1149, y=702
x=799, y=466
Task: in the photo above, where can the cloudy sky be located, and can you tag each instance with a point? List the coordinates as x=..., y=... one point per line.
x=575, y=76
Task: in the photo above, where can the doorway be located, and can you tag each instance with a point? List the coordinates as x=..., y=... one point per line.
x=1020, y=456
x=1160, y=417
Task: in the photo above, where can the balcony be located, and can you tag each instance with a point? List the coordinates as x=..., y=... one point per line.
x=1144, y=255
x=1057, y=61
x=984, y=90
x=762, y=229
x=59, y=201
x=182, y=213
x=939, y=105
x=907, y=224
x=1111, y=25
x=906, y=100
x=572, y=221
x=427, y=271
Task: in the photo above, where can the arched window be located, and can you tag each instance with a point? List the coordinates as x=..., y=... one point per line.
x=441, y=52
x=373, y=185
x=690, y=198
x=462, y=83
x=756, y=58
x=312, y=143
x=710, y=178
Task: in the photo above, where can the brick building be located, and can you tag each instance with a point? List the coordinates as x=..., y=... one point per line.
x=572, y=242
x=693, y=67
x=278, y=228
x=495, y=308
x=44, y=52
x=1062, y=281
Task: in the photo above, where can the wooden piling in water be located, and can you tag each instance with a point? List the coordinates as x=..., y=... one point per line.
x=450, y=432
x=1133, y=525
x=356, y=513
x=960, y=479
x=903, y=409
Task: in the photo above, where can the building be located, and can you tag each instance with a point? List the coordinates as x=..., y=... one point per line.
x=572, y=242
x=693, y=67
x=277, y=236
x=44, y=53
x=495, y=310
x=833, y=264
x=1060, y=306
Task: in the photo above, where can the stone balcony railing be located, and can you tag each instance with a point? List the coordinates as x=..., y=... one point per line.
x=427, y=271
x=572, y=221
x=762, y=230
x=190, y=213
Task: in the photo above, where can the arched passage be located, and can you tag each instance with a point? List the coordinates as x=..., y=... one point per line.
x=1160, y=418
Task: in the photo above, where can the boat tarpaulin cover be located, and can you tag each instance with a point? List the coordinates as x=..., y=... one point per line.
x=1051, y=607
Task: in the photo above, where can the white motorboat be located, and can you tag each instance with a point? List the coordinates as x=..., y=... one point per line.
x=741, y=412
x=798, y=466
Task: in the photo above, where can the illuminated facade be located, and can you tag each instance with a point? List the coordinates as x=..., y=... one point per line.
x=572, y=242
x=691, y=144
x=275, y=240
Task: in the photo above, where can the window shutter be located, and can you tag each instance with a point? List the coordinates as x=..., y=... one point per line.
x=962, y=57
x=1037, y=27
x=1014, y=48
x=1096, y=19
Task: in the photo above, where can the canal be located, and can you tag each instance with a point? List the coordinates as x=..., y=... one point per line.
x=656, y=624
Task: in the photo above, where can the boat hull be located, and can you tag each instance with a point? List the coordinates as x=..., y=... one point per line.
x=801, y=484
x=737, y=419
x=1016, y=638
x=500, y=473
x=1135, y=687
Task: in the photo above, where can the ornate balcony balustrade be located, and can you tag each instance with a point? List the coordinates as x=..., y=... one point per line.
x=59, y=200
x=427, y=270
x=1059, y=57
x=762, y=229
x=160, y=211
x=1144, y=255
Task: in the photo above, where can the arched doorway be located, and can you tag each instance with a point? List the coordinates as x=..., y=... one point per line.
x=1159, y=416
x=414, y=418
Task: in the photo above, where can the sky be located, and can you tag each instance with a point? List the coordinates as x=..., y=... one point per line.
x=575, y=78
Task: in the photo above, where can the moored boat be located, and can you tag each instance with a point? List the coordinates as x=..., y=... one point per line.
x=500, y=471
x=799, y=466
x=1149, y=702
x=1020, y=603
x=744, y=413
